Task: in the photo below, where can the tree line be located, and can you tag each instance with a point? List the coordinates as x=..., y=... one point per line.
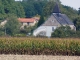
x=11, y=10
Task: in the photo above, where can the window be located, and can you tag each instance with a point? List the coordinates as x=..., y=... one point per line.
x=28, y=23
x=52, y=20
x=52, y=28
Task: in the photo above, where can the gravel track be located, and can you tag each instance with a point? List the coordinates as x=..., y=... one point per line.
x=38, y=57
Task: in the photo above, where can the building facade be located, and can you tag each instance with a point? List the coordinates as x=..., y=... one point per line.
x=28, y=21
x=56, y=20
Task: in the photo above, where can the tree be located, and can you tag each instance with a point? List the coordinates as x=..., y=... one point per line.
x=79, y=11
x=39, y=5
x=48, y=8
x=28, y=29
x=77, y=22
x=12, y=26
x=63, y=32
x=19, y=10
x=2, y=33
x=10, y=7
x=70, y=12
x=29, y=9
x=33, y=7
x=41, y=21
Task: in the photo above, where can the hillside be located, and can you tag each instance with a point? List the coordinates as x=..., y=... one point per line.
x=31, y=8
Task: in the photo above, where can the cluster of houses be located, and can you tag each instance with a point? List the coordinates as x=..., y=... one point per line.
x=24, y=21
x=55, y=20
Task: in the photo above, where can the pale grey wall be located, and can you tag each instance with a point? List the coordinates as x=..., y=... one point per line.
x=47, y=29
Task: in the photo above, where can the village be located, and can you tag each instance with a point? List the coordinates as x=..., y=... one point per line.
x=39, y=30
x=36, y=26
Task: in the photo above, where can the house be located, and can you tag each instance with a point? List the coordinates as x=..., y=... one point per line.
x=28, y=21
x=24, y=21
x=56, y=19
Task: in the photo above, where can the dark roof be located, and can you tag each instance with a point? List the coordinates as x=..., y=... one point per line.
x=63, y=19
x=56, y=9
x=55, y=20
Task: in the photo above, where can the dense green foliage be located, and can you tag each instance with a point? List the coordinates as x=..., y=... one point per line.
x=41, y=21
x=12, y=26
x=62, y=32
x=38, y=46
x=79, y=11
x=10, y=7
x=33, y=7
x=2, y=31
x=30, y=8
x=28, y=30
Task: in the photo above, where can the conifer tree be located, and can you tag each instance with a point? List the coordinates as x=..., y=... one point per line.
x=79, y=11
x=41, y=21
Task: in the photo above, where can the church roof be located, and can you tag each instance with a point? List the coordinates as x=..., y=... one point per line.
x=63, y=19
x=55, y=20
x=56, y=9
x=51, y=21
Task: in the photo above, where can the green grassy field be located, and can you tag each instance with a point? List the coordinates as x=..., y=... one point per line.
x=39, y=46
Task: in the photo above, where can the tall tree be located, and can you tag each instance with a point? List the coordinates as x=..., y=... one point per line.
x=29, y=8
x=48, y=8
x=12, y=26
x=79, y=11
x=33, y=7
x=41, y=21
x=77, y=23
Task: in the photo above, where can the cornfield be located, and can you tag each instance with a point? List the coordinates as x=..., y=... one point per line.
x=39, y=46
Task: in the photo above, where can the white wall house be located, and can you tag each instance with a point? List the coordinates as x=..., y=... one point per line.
x=28, y=21
x=44, y=31
x=56, y=19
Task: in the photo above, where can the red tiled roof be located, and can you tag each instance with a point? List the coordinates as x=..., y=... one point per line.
x=24, y=20
x=37, y=18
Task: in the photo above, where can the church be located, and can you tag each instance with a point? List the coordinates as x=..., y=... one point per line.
x=55, y=20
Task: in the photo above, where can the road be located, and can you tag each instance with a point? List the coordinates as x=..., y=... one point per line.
x=37, y=57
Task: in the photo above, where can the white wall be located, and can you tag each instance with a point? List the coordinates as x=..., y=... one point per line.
x=47, y=29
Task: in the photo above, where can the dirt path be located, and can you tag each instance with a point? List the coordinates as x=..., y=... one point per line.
x=37, y=57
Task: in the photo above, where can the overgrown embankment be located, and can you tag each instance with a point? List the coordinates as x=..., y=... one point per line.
x=40, y=46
